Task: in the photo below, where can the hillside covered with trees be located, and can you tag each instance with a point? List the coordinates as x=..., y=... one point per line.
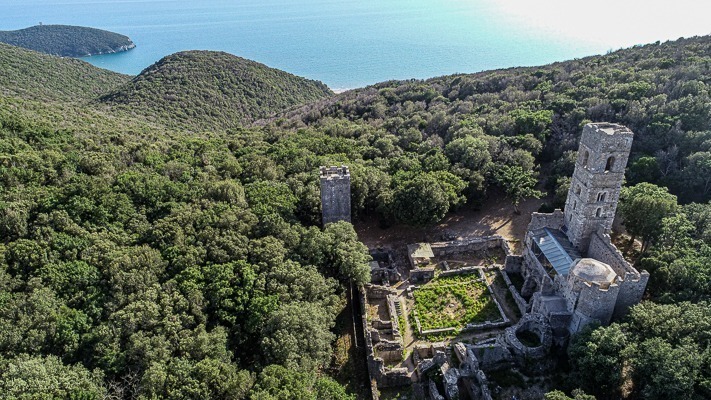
x=155, y=244
x=67, y=40
x=211, y=90
x=30, y=75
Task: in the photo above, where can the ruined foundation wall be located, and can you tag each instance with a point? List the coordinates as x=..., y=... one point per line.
x=534, y=323
x=499, y=323
x=476, y=244
x=380, y=375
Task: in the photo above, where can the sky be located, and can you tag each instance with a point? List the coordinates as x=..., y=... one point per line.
x=623, y=22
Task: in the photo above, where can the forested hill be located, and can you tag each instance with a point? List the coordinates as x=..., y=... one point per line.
x=32, y=75
x=661, y=91
x=212, y=90
x=67, y=41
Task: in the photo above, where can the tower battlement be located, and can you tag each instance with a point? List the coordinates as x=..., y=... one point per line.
x=604, y=137
x=333, y=172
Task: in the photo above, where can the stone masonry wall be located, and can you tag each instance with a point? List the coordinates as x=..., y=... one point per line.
x=513, y=264
x=380, y=375
x=520, y=302
x=476, y=244
x=335, y=194
x=553, y=220
x=632, y=284
x=631, y=293
x=596, y=302
x=602, y=249
x=595, y=185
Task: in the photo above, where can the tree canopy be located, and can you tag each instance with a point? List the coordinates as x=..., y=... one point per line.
x=643, y=208
x=155, y=243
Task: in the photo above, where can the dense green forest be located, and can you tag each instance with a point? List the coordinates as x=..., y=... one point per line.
x=155, y=244
x=67, y=41
x=29, y=75
x=211, y=90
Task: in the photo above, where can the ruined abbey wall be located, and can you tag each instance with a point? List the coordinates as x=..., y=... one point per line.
x=554, y=220
x=632, y=282
x=475, y=244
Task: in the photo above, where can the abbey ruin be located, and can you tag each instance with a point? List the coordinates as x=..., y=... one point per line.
x=440, y=317
x=573, y=274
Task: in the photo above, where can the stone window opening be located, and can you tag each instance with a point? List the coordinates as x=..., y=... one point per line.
x=575, y=205
x=601, y=196
x=577, y=190
x=598, y=213
x=610, y=164
x=586, y=157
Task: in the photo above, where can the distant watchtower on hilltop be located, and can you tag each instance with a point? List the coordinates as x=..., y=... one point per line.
x=335, y=194
x=597, y=180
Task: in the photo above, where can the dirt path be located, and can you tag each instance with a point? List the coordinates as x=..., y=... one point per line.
x=494, y=217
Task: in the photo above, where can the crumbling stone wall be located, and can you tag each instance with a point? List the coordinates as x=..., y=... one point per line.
x=632, y=282
x=441, y=249
x=493, y=354
x=380, y=375
x=422, y=275
x=537, y=324
x=499, y=323
x=554, y=220
x=475, y=380
x=535, y=277
x=518, y=299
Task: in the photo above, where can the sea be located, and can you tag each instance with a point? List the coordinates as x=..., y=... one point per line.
x=353, y=43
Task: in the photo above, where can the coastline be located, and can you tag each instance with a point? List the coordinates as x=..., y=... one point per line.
x=341, y=90
x=120, y=49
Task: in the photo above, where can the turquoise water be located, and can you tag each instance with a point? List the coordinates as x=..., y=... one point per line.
x=349, y=44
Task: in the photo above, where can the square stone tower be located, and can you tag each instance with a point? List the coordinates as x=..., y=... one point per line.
x=597, y=181
x=335, y=194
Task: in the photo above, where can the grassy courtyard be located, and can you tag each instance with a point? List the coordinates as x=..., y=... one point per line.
x=453, y=302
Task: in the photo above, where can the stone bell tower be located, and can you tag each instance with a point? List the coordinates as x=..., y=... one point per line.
x=597, y=181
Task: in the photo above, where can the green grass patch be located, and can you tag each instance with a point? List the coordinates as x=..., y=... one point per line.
x=453, y=302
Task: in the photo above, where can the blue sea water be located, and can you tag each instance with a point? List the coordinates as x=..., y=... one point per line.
x=353, y=43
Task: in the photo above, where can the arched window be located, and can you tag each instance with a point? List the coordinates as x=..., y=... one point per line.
x=586, y=157
x=598, y=213
x=610, y=164
x=577, y=190
x=575, y=205
x=601, y=196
